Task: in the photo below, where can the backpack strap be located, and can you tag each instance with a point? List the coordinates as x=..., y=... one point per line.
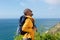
x=22, y=20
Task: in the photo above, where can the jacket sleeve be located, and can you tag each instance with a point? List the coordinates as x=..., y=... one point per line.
x=26, y=26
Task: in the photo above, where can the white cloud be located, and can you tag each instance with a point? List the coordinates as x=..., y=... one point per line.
x=52, y=5
x=25, y=3
x=53, y=2
x=22, y=4
x=33, y=1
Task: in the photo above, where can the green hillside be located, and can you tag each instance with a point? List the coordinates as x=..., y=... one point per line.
x=54, y=29
x=51, y=34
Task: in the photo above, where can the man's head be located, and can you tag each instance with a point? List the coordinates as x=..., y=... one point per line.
x=28, y=12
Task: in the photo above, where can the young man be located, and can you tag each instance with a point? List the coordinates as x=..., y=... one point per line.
x=28, y=25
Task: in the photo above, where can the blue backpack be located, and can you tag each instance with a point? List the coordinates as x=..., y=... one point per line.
x=21, y=23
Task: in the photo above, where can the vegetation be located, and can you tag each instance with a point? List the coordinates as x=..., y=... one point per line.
x=19, y=37
x=52, y=34
x=47, y=36
x=44, y=36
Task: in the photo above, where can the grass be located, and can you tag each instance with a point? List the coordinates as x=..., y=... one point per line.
x=44, y=36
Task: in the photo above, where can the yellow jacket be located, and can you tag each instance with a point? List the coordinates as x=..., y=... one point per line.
x=27, y=27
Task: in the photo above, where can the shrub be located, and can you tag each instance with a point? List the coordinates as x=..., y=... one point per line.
x=44, y=36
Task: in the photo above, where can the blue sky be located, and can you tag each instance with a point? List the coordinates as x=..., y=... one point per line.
x=40, y=8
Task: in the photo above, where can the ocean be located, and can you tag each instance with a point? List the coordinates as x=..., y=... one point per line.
x=8, y=26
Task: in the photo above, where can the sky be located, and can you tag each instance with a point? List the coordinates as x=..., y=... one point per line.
x=40, y=8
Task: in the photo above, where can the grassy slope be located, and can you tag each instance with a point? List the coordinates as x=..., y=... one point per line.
x=44, y=36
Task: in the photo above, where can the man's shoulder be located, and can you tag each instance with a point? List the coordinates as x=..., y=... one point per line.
x=27, y=19
x=22, y=16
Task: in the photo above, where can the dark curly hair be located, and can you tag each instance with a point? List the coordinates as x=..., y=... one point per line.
x=26, y=11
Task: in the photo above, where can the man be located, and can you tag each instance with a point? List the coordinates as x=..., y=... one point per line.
x=28, y=25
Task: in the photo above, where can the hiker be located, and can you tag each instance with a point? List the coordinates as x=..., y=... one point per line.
x=26, y=25
x=29, y=26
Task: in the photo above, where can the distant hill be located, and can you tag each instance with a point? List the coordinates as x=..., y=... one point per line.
x=54, y=29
